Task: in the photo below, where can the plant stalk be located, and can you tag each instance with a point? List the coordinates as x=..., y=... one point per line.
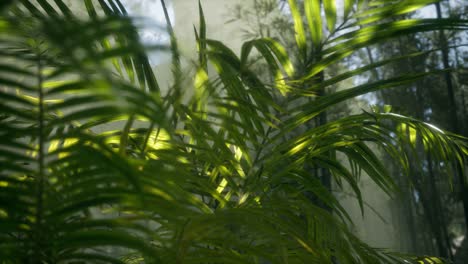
x=40, y=178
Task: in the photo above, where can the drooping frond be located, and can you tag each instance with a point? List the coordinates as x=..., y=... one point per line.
x=100, y=164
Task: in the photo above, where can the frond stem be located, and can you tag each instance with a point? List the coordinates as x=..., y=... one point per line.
x=40, y=178
x=125, y=135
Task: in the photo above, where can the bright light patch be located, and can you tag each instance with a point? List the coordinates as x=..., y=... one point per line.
x=54, y=145
x=159, y=139
x=160, y=193
x=221, y=186
x=298, y=147
x=409, y=130
x=3, y=213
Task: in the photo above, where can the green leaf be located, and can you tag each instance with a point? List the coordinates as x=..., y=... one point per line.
x=202, y=39
x=298, y=28
x=271, y=52
x=376, y=34
x=389, y=10
x=330, y=13
x=312, y=11
x=94, y=238
x=387, y=108
x=312, y=109
x=348, y=6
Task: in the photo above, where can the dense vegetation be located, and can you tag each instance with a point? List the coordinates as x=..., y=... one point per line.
x=428, y=216
x=99, y=164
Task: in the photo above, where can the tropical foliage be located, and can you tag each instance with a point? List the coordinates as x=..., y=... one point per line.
x=100, y=164
x=428, y=216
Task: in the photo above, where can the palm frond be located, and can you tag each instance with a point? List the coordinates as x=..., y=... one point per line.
x=99, y=164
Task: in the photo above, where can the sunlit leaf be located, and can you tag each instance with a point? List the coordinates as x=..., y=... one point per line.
x=298, y=27
x=312, y=11
x=330, y=13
